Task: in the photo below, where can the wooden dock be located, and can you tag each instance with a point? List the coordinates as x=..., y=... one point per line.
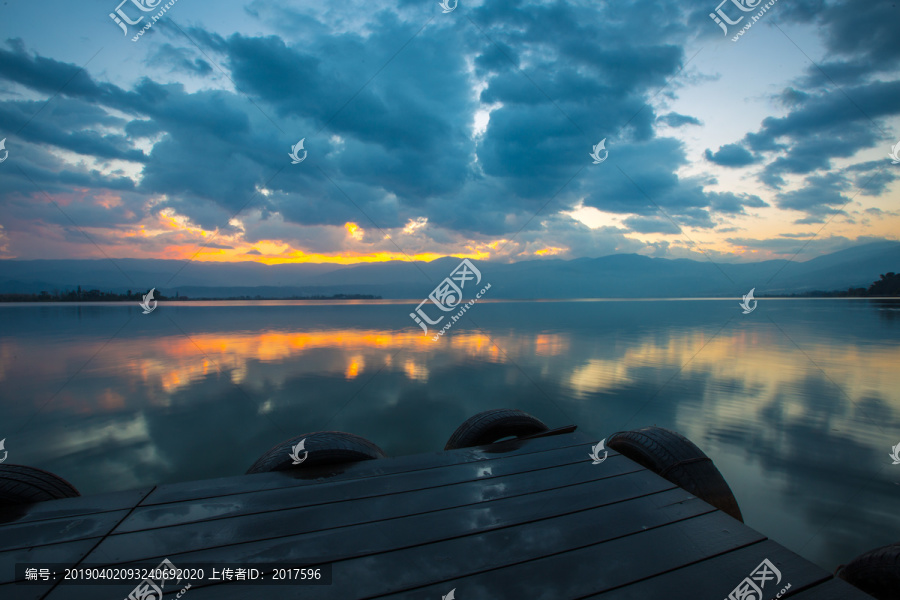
x=526, y=519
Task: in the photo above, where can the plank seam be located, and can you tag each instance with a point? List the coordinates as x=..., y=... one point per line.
x=636, y=469
x=99, y=541
x=303, y=483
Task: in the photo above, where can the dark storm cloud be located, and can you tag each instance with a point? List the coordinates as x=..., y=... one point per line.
x=731, y=155
x=180, y=59
x=734, y=204
x=142, y=129
x=821, y=127
x=649, y=191
x=70, y=126
x=46, y=74
x=820, y=197
x=860, y=39
x=651, y=225
x=788, y=244
x=386, y=110
x=836, y=110
x=872, y=178
x=678, y=120
x=531, y=143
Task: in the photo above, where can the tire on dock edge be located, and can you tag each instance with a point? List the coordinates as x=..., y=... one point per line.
x=25, y=485
x=876, y=572
x=324, y=448
x=677, y=459
x=491, y=425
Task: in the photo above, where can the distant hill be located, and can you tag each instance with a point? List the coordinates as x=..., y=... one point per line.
x=614, y=276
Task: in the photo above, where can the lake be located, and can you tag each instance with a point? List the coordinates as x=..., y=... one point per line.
x=798, y=402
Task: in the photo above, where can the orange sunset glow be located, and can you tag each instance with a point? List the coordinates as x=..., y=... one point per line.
x=172, y=363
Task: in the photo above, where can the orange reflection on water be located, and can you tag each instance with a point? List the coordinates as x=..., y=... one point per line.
x=415, y=371
x=551, y=344
x=278, y=345
x=762, y=360
x=354, y=367
x=166, y=364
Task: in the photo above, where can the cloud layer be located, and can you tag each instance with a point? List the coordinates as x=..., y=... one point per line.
x=432, y=134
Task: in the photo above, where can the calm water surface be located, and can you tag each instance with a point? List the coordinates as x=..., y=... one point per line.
x=798, y=403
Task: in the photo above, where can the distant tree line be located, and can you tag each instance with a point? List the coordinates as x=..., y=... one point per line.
x=79, y=295
x=315, y=297
x=887, y=285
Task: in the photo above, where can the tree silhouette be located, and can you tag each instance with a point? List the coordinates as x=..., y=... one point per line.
x=888, y=285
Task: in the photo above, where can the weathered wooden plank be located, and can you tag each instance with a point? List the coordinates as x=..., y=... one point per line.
x=397, y=512
x=65, y=552
x=705, y=578
x=491, y=545
x=53, y=531
x=834, y=589
x=538, y=465
x=211, y=488
x=525, y=561
x=575, y=573
x=72, y=507
x=523, y=519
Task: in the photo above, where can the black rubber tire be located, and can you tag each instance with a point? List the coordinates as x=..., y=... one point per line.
x=324, y=447
x=876, y=572
x=25, y=485
x=677, y=459
x=491, y=425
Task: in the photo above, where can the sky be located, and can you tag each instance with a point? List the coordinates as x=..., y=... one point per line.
x=461, y=133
